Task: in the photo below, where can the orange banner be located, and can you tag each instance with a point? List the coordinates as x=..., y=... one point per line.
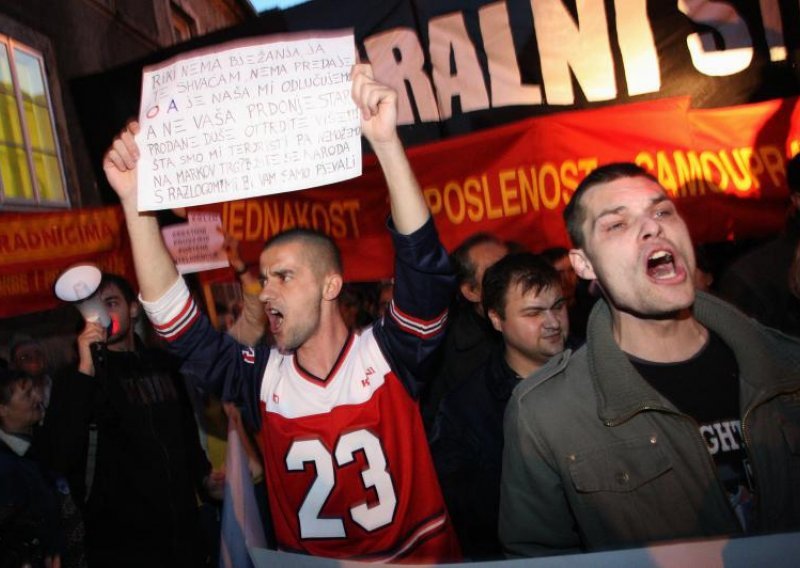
x=36, y=247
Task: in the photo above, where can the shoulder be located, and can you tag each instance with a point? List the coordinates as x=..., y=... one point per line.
x=559, y=389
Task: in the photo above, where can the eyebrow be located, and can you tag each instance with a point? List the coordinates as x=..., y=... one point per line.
x=620, y=209
x=542, y=307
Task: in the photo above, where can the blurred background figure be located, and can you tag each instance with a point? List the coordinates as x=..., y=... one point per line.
x=28, y=355
x=470, y=336
x=758, y=283
x=39, y=523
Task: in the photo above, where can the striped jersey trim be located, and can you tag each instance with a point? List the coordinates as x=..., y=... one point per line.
x=175, y=327
x=424, y=532
x=415, y=326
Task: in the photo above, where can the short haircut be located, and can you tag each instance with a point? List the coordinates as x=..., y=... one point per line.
x=120, y=282
x=323, y=254
x=8, y=382
x=575, y=214
x=531, y=271
x=463, y=266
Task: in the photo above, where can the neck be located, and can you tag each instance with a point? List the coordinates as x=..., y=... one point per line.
x=669, y=340
x=318, y=354
x=520, y=364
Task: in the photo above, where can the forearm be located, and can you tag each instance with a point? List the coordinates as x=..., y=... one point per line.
x=409, y=210
x=155, y=269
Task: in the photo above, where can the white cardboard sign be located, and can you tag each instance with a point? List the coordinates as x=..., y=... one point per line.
x=246, y=119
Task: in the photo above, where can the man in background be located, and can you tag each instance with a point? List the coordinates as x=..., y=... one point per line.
x=523, y=299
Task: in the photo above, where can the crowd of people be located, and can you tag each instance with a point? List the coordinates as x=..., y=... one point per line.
x=488, y=403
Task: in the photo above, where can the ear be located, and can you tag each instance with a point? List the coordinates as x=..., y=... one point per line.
x=497, y=321
x=582, y=265
x=470, y=292
x=134, y=309
x=332, y=286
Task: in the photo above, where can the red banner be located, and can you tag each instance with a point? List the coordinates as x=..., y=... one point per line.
x=725, y=167
x=36, y=247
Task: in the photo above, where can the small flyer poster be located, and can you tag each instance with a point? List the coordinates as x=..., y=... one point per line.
x=248, y=118
x=196, y=245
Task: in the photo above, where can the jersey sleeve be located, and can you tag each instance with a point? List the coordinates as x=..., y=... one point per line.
x=414, y=324
x=213, y=361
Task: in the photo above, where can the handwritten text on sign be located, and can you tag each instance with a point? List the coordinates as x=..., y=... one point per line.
x=248, y=120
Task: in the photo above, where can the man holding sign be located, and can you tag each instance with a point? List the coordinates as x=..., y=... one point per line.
x=347, y=462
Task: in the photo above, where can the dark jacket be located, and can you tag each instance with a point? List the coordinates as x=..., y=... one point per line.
x=38, y=517
x=758, y=284
x=142, y=506
x=468, y=342
x=467, y=448
x=596, y=458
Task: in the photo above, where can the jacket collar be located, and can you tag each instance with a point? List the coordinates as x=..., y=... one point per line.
x=500, y=378
x=763, y=370
x=17, y=444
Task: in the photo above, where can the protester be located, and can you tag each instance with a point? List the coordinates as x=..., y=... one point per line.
x=638, y=436
x=470, y=337
x=523, y=299
x=579, y=298
x=121, y=429
x=759, y=282
x=323, y=395
x=39, y=523
x=28, y=355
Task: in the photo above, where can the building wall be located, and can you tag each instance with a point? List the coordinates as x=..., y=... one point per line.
x=84, y=37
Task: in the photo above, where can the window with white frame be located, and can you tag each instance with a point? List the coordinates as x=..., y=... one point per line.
x=31, y=170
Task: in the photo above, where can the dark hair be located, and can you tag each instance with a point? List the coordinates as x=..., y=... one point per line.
x=574, y=213
x=324, y=253
x=120, y=282
x=8, y=380
x=793, y=174
x=463, y=266
x=554, y=254
x=531, y=271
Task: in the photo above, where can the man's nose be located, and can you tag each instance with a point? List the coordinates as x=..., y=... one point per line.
x=551, y=318
x=650, y=228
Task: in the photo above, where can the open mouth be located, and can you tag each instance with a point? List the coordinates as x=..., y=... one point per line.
x=661, y=265
x=275, y=320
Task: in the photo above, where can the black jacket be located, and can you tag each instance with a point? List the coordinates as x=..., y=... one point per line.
x=467, y=448
x=142, y=505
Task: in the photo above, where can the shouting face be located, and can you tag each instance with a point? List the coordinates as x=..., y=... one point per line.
x=637, y=247
x=292, y=293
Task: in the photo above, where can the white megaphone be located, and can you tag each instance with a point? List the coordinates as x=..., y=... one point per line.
x=77, y=285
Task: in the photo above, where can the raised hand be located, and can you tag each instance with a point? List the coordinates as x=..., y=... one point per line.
x=120, y=161
x=377, y=104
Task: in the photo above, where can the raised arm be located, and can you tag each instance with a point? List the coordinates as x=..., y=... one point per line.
x=378, y=106
x=155, y=269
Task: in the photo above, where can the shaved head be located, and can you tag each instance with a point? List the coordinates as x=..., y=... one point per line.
x=319, y=250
